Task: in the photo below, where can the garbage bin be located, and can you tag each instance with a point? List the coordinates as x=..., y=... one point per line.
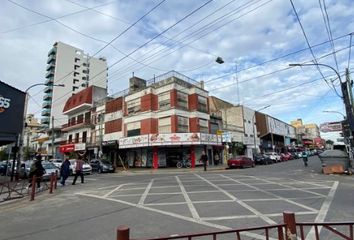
x=334, y=157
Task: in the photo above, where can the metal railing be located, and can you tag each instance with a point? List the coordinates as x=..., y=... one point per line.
x=288, y=230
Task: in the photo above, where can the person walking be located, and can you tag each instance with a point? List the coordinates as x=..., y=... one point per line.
x=305, y=158
x=204, y=159
x=37, y=170
x=64, y=171
x=78, y=170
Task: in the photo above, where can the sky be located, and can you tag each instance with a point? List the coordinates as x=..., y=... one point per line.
x=257, y=39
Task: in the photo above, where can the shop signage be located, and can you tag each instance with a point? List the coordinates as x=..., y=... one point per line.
x=331, y=127
x=67, y=148
x=80, y=146
x=166, y=139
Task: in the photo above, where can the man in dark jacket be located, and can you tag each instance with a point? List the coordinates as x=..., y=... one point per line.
x=204, y=159
x=36, y=170
x=64, y=171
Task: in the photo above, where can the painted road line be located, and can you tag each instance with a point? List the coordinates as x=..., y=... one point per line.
x=146, y=192
x=191, y=207
x=251, y=216
x=188, y=219
x=243, y=204
x=116, y=189
x=272, y=194
x=323, y=211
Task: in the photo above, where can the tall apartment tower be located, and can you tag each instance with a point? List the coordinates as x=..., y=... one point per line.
x=76, y=70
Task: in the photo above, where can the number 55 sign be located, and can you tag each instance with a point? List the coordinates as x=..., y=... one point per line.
x=4, y=104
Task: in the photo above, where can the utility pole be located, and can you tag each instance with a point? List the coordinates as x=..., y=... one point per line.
x=53, y=137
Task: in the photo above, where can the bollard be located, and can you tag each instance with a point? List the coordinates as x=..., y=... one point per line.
x=56, y=179
x=51, y=183
x=33, y=192
x=122, y=233
x=289, y=220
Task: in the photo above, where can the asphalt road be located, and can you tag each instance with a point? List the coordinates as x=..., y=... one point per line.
x=170, y=202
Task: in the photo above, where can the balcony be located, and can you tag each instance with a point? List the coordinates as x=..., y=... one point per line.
x=50, y=66
x=77, y=124
x=51, y=58
x=48, y=89
x=45, y=120
x=47, y=104
x=52, y=51
x=46, y=112
x=50, y=74
x=49, y=81
x=47, y=97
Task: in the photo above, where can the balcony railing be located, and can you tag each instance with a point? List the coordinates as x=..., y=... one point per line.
x=47, y=104
x=51, y=65
x=49, y=81
x=49, y=74
x=77, y=124
x=48, y=89
x=53, y=50
x=47, y=97
x=46, y=112
x=45, y=120
x=51, y=58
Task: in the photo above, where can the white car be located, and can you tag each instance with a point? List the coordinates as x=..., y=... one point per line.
x=274, y=156
x=57, y=162
x=86, y=168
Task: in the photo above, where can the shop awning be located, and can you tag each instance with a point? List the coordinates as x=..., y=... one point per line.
x=67, y=148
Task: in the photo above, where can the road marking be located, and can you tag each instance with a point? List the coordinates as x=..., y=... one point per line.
x=116, y=189
x=323, y=211
x=189, y=219
x=272, y=194
x=191, y=207
x=146, y=192
x=243, y=204
x=251, y=216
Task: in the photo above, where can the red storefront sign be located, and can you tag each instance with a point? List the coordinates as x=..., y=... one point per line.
x=67, y=148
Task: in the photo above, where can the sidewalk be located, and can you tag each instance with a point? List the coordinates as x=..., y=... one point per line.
x=133, y=171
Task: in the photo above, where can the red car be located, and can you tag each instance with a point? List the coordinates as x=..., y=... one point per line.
x=286, y=156
x=241, y=162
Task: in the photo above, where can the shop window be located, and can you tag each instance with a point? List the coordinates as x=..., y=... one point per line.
x=214, y=127
x=203, y=126
x=164, y=100
x=133, y=106
x=182, y=124
x=182, y=100
x=133, y=129
x=202, y=104
x=165, y=125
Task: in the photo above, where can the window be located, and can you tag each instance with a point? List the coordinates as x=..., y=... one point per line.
x=84, y=136
x=85, y=71
x=202, y=104
x=76, y=73
x=75, y=88
x=76, y=137
x=80, y=118
x=77, y=60
x=72, y=121
x=182, y=124
x=182, y=100
x=75, y=80
x=246, y=135
x=76, y=67
x=133, y=106
x=133, y=129
x=70, y=138
x=87, y=117
x=203, y=126
x=164, y=100
x=165, y=125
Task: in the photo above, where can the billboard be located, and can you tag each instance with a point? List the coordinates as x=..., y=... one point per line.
x=331, y=127
x=12, y=103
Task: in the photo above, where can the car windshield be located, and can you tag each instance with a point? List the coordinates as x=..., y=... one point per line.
x=48, y=165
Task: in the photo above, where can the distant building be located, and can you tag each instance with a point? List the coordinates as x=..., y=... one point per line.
x=76, y=70
x=306, y=133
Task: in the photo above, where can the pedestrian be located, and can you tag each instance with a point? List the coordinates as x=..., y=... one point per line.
x=204, y=159
x=37, y=170
x=305, y=158
x=78, y=170
x=64, y=171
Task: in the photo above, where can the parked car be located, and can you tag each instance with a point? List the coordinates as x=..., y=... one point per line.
x=25, y=168
x=86, y=168
x=3, y=168
x=49, y=169
x=241, y=162
x=262, y=159
x=57, y=162
x=101, y=166
x=286, y=156
x=274, y=156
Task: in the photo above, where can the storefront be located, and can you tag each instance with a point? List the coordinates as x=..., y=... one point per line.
x=165, y=150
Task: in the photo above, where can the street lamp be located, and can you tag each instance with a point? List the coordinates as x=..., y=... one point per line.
x=254, y=123
x=345, y=96
x=25, y=116
x=328, y=111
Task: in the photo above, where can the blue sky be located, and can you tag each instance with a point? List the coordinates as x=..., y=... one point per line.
x=245, y=33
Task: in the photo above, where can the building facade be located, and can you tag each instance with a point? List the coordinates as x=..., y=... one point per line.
x=76, y=70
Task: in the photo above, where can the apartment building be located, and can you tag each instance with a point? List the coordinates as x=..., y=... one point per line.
x=166, y=120
x=76, y=70
x=307, y=134
x=80, y=128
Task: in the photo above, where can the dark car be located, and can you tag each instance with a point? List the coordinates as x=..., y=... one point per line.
x=3, y=168
x=262, y=159
x=240, y=162
x=101, y=166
